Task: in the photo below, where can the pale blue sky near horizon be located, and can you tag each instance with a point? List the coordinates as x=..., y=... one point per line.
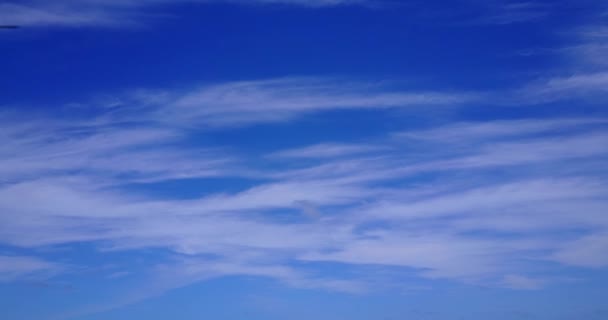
x=303, y=159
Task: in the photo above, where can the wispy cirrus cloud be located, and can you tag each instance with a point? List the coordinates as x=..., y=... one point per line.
x=245, y=103
x=419, y=214
x=108, y=13
x=511, y=12
x=280, y=99
x=466, y=201
x=583, y=73
x=275, y=100
x=13, y=268
x=577, y=86
x=50, y=149
x=326, y=150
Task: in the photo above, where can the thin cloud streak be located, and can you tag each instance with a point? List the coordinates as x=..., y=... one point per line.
x=246, y=103
x=13, y=268
x=112, y=13
x=326, y=150
x=283, y=99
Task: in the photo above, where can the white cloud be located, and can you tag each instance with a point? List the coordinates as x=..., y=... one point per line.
x=433, y=256
x=583, y=73
x=281, y=99
x=588, y=251
x=107, y=13
x=63, y=209
x=13, y=268
x=472, y=132
x=505, y=13
x=326, y=150
x=487, y=201
x=590, y=47
x=41, y=15
x=436, y=202
x=146, y=153
x=580, y=85
x=242, y=103
x=515, y=281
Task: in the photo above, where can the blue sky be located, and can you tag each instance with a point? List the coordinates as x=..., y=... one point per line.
x=303, y=159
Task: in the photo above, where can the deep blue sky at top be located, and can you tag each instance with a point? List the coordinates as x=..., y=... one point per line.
x=442, y=43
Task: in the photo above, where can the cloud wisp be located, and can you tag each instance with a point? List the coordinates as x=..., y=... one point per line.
x=245, y=103
x=349, y=186
x=112, y=13
x=115, y=13
x=22, y=267
x=485, y=202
